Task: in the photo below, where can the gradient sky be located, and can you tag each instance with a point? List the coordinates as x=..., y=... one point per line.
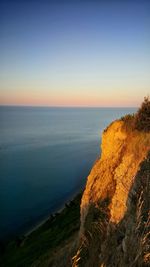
x=74, y=53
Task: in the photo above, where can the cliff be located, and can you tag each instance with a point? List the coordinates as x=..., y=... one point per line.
x=115, y=219
x=109, y=225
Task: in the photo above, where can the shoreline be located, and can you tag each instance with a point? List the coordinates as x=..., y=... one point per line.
x=28, y=230
x=44, y=240
x=27, y=233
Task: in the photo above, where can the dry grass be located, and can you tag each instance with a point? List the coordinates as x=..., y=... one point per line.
x=124, y=244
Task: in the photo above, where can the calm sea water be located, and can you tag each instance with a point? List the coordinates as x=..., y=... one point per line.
x=45, y=157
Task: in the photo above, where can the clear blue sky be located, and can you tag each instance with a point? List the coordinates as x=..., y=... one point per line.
x=74, y=53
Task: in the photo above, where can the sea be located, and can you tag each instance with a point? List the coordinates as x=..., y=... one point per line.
x=46, y=154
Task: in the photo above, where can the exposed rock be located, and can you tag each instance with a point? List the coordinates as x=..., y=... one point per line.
x=115, y=219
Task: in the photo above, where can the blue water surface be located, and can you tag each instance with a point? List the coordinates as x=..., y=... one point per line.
x=45, y=157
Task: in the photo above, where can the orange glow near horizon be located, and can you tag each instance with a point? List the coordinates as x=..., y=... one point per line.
x=65, y=100
x=75, y=56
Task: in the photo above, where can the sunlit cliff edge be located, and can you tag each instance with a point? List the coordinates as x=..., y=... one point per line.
x=115, y=206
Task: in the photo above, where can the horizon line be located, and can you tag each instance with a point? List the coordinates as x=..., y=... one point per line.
x=47, y=106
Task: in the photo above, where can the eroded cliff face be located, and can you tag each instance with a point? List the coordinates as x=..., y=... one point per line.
x=115, y=203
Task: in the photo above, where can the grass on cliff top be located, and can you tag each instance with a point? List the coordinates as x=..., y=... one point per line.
x=40, y=244
x=140, y=120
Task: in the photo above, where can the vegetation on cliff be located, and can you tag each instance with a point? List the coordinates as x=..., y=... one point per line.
x=142, y=117
x=140, y=120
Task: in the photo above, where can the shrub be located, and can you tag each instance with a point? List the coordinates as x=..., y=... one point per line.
x=142, y=117
x=127, y=117
x=128, y=122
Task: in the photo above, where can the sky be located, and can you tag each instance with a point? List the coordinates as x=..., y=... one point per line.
x=74, y=53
